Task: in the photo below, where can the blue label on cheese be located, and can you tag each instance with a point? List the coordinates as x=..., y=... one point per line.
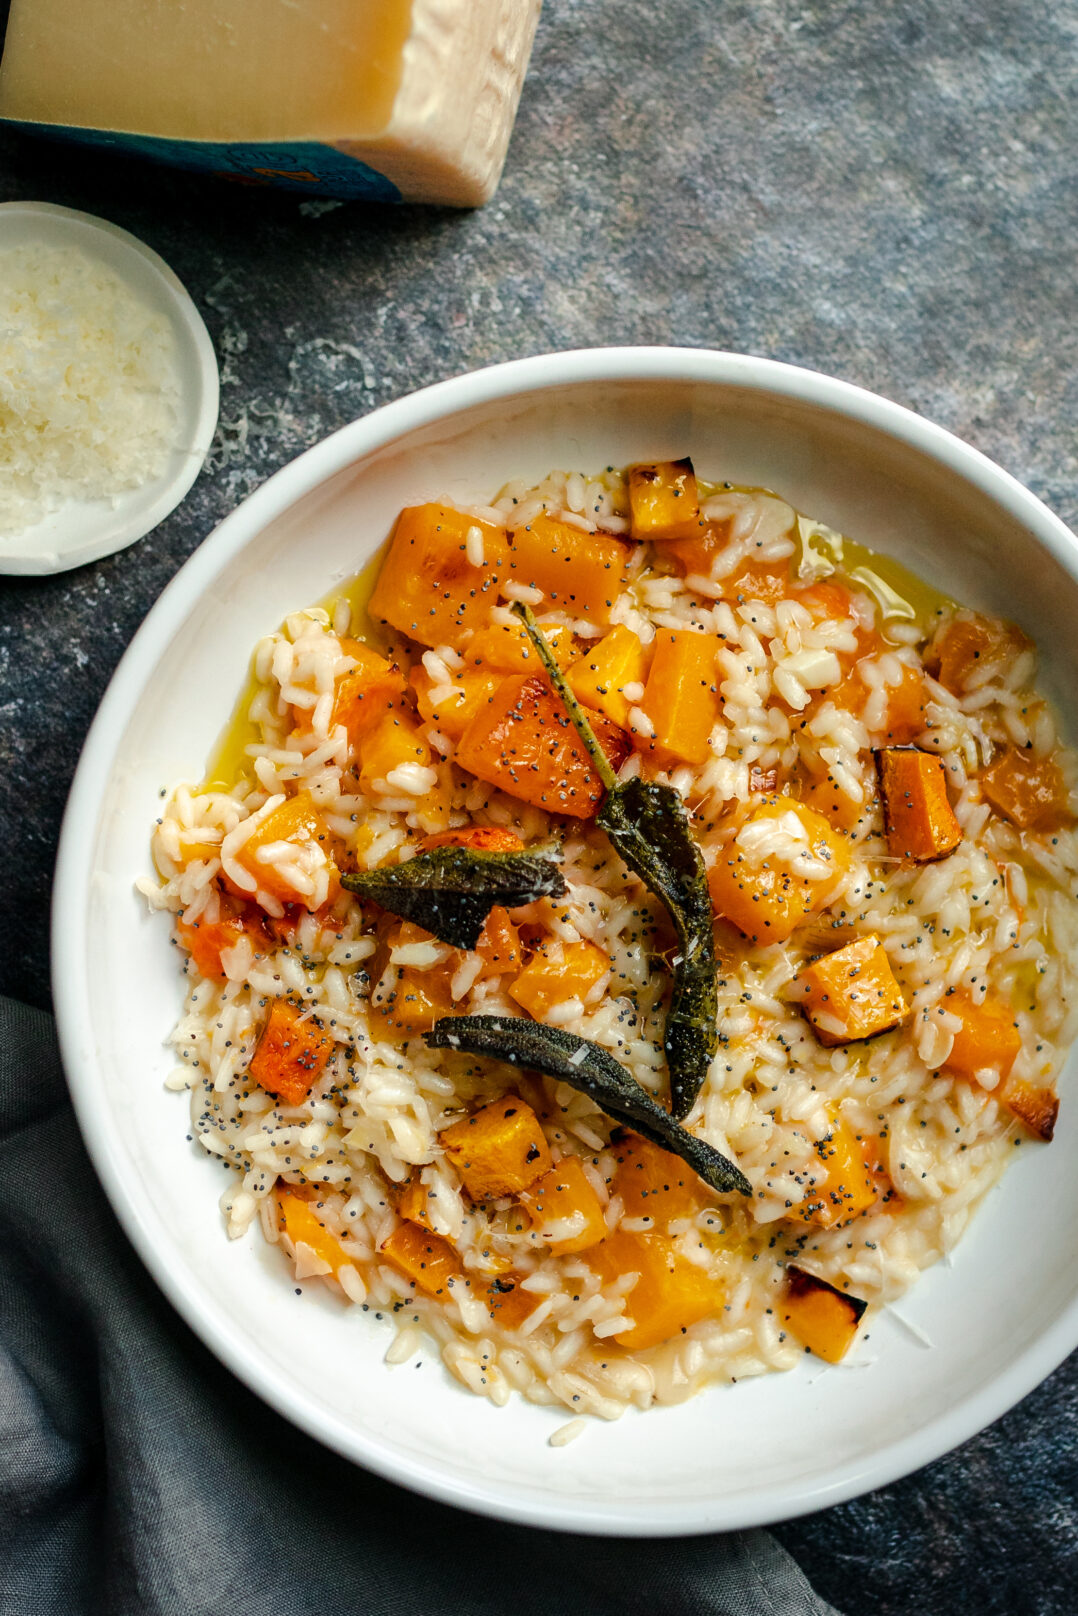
x=305, y=166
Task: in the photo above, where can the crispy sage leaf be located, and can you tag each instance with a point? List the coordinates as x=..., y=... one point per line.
x=648, y=825
x=594, y=1071
x=450, y=891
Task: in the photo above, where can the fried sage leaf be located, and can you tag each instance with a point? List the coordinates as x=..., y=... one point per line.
x=648, y=825
x=450, y=891
x=593, y=1071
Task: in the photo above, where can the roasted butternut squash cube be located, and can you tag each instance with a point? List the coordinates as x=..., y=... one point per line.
x=905, y=718
x=426, y=1259
x=557, y=972
x=670, y=1295
x=695, y=552
x=598, y=678
x=767, y=581
x=195, y=847
x=205, y=940
x=299, y=1220
x=824, y=793
x=824, y=1319
x=850, y=994
x=306, y=874
x=490, y=655
x=653, y=1183
x=413, y=1202
x=393, y=740
x=412, y=1003
x=988, y=1039
x=510, y=1305
x=1037, y=1107
x=904, y=715
x=291, y=1054
x=918, y=817
x=429, y=586
x=498, y=1150
x=363, y=696
x=1028, y=791
x=971, y=650
x=566, y=1213
x=451, y=705
x=663, y=500
x=786, y=862
x=681, y=697
x=826, y=598
x=498, y=946
x=874, y=1155
x=523, y=742
x=844, y=1186
x=850, y=693
x=507, y=647
x=578, y=572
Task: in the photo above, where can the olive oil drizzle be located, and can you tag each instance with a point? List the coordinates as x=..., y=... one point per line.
x=229, y=761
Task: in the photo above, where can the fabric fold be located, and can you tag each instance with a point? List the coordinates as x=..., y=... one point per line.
x=137, y=1477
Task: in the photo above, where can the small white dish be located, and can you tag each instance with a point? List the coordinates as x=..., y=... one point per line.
x=86, y=530
x=998, y=1320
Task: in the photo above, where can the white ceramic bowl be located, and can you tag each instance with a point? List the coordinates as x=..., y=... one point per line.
x=998, y=1319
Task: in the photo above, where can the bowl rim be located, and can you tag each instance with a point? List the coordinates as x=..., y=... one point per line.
x=360, y=438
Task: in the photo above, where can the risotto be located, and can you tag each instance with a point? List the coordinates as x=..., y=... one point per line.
x=628, y=948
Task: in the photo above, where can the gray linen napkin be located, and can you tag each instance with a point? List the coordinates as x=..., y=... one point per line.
x=137, y=1477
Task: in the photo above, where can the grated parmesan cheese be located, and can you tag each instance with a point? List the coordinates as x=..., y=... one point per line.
x=88, y=384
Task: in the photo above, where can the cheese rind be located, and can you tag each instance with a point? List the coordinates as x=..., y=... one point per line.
x=464, y=67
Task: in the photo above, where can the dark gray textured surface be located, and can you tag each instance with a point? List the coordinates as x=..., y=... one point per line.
x=886, y=194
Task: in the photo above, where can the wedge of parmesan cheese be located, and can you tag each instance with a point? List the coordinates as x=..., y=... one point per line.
x=408, y=99
x=88, y=384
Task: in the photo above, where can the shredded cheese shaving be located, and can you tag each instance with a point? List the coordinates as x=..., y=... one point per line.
x=88, y=384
